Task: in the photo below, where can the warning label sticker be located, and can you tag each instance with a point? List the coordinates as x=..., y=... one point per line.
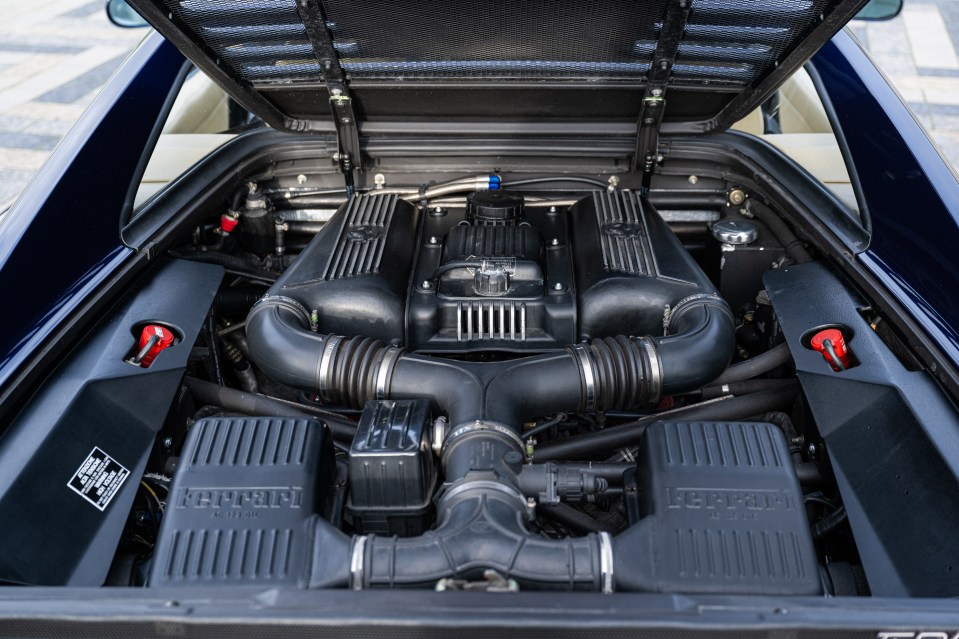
x=98, y=479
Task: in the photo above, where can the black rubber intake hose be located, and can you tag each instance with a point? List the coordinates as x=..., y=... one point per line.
x=482, y=527
x=700, y=342
x=612, y=373
x=343, y=370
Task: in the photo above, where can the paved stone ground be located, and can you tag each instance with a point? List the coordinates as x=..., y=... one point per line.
x=918, y=52
x=54, y=57
x=56, y=54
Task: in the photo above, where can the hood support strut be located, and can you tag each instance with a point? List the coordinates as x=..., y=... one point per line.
x=341, y=102
x=654, y=101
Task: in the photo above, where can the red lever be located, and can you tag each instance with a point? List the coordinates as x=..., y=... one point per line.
x=153, y=339
x=832, y=345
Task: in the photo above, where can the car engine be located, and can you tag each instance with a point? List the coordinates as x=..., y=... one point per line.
x=465, y=334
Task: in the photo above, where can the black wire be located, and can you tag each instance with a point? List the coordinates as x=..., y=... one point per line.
x=214, y=349
x=153, y=513
x=452, y=266
x=549, y=423
x=818, y=499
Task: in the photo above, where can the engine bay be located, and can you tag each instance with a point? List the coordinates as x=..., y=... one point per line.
x=521, y=367
x=492, y=383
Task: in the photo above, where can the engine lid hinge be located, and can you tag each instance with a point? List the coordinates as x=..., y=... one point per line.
x=647, y=154
x=348, y=154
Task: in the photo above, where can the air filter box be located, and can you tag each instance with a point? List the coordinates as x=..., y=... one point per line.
x=721, y=512
x=243, y=501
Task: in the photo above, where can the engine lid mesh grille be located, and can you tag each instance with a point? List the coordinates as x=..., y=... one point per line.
x=264, y=44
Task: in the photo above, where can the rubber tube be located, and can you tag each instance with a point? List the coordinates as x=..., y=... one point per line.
x=755, y=366
x=253, y=404
x=575, y=519
x=700, y=346
x=343, y=370
x=610, y=373
x=794, y=248
x=232, y=263
x=744, y=387
x=628, y=434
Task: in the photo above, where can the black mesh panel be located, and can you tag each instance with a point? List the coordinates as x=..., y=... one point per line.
x=545, y=39
x=260, y=40
x=725, y=42
x=738, y=41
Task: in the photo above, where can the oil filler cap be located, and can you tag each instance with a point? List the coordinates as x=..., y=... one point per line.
x=735, y=232
x=153, y=339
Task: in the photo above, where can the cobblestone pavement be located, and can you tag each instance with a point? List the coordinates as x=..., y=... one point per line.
x=918, y=52
x=56, y=54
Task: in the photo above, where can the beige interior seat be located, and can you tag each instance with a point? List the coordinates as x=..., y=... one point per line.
x=807, y=137
x=174, y=154
x=800, y=108
x=200, y=107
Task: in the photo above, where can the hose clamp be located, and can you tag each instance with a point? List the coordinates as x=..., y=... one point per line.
x=606, y=562
x=708, y=299
x=587, y=375
x=281, y=301
x=385, y=371
x=655, y=368
x=357, y=561
x=477, y=427
x=325, y=367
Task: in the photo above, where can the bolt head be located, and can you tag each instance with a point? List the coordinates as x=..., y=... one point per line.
x=693, y=179
x=554, y=242
x=434, y=240
x=552, y=209
x=301, y=179
x=558, y=287
x=427, y=284
x=168, y=442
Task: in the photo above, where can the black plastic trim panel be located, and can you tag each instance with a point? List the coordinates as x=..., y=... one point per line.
x=891, y=434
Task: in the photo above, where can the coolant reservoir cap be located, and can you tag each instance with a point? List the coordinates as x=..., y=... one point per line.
x=735, y=231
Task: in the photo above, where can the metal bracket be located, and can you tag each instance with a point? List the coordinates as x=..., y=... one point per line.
x=651, y=111
x=341, y=103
